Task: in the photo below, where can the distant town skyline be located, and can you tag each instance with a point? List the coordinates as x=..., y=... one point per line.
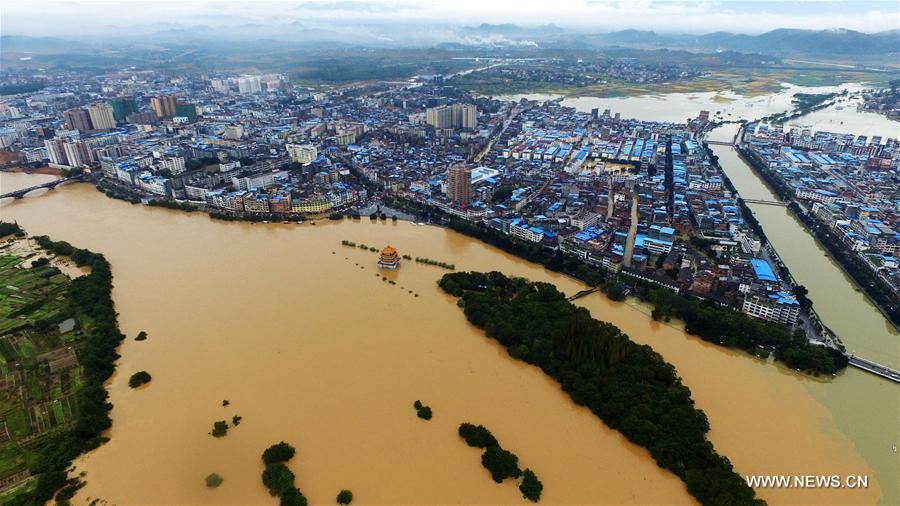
x=123, y=18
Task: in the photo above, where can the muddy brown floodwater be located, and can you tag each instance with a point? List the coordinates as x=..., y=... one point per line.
x=310, y=346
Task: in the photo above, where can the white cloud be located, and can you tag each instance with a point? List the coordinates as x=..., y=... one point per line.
x=41, y=17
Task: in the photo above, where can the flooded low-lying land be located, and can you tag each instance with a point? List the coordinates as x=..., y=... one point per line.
x=311, y=346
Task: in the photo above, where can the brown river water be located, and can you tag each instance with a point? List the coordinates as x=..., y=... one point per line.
x=311, y=347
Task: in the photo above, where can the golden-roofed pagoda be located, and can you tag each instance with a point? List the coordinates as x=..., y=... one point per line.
x=389, y=258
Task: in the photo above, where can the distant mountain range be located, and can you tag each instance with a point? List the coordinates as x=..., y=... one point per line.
x=783, y=41
x=823, y=44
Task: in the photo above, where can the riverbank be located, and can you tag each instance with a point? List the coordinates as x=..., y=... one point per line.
x=72, y=325
x=711, y=322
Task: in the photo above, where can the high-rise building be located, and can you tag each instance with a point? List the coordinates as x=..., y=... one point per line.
x=141, y=118
x=77, y=153
x=459, y=184
x=302, y=153
x=220, y=85
x=55, y=152
x=122, y=107
x=452, y=116
x=164, y=106
x=468, y=119
x=102, y=116
x=439, y=117
x=249, y=84
x=78, y=119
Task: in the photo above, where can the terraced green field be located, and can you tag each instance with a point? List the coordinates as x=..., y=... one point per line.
x=38, y=375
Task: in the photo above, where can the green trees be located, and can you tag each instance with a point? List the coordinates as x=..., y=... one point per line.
x=213, y=480
x=281, y=452
x=344, y=497
x=531, y=487
x=422, y=411
x=142, y=336
x=501, y=463
x=40, y=262
x=220, y=428
x=502, y=193
x=730, y=328
x=629, y=386
x=278, y=478
x=139, y=378
x=477, y=436
x=292, y=497
x=7, y=228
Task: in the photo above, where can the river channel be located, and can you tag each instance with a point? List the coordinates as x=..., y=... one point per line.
x=310, y=346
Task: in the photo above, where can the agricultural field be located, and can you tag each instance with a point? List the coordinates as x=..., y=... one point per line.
x=39, y=368
x=746, y=81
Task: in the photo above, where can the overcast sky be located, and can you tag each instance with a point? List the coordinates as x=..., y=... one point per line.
x=40, y=17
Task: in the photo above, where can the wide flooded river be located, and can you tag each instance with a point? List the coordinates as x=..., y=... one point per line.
x=679, y=107
x=310, y=346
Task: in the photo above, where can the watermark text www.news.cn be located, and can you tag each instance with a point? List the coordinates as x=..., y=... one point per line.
x=807, y=481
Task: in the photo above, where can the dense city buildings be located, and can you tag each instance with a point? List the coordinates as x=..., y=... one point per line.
x=642, y=199
x=657, y=219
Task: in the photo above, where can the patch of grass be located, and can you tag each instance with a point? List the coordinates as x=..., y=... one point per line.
x=18, y=424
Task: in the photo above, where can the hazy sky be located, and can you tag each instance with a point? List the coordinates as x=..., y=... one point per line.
x=39, y=17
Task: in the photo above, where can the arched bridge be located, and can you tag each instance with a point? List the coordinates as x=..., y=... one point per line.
x=18, y=194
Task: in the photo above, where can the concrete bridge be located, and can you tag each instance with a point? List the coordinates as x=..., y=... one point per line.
x=876, y=369
x=765, y=202
x=18, y=194
x=718, y=143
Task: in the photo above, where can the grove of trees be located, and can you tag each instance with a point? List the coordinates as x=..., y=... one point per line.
x=628, y=386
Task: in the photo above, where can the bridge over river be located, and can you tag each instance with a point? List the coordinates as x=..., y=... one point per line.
x=876, y=369
x=49, y=185
x=765, y=202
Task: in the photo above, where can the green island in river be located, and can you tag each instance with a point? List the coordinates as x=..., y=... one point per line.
x=628, y=386
x=58, y=340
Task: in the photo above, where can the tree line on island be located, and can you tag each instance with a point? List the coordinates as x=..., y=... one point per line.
x=741, y=330
x=501, y=463
x=279, y=480
x=628, y=386
x=90, y=297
